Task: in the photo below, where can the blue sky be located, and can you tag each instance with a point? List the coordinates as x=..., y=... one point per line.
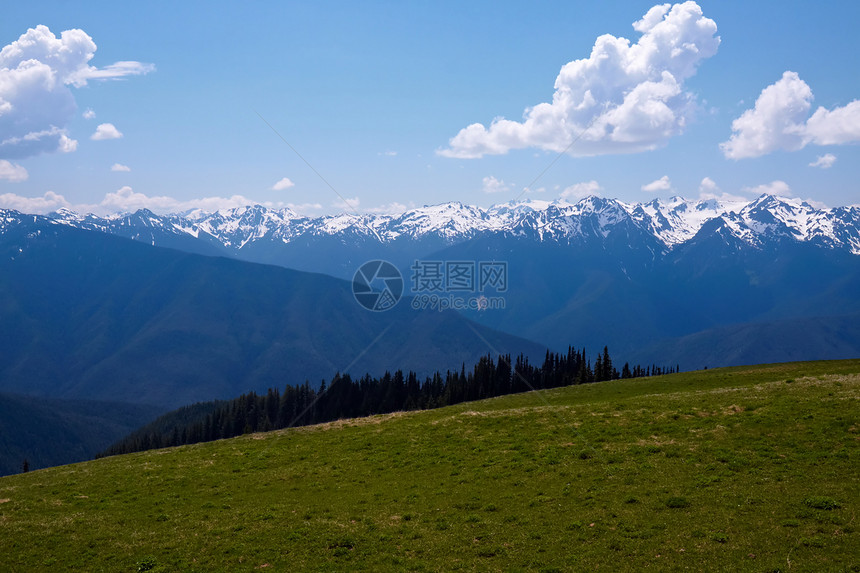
x=377, y=96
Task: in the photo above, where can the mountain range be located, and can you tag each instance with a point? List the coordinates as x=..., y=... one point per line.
x=158, y=311
x=642, y=278
x=88, y=315
x=280, y=236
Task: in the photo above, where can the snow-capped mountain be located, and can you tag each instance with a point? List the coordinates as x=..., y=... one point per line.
x=596, y=271
x=336, y=244
x=671, y=222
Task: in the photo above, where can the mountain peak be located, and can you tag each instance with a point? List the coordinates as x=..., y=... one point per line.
x=672, y=221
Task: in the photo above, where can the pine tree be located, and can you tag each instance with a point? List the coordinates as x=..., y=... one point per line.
x=608, y=373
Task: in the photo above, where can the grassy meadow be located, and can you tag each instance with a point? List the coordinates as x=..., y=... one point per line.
x=737, y=469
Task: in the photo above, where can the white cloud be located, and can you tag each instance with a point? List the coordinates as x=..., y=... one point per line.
x=837, y=127
x=36, y=102
x=825, y=161
x=126, y=200
x=119, y=167
x=775, y=122
x=781, y=189
x=12, y=172
x=580, y=190
x=778, y=188
x=34, y=142
x=112, y=72
x=304, y=208
x=89, y=114
x=388, y=153
x=50, y=201
x=708, y=187
x=66, y=144
x=662, y=184
x=623, y=98
x=106, y=131
x=347, y=204
x=282, y=184
x=490, y=184
x=780, y=120
x=393, y=208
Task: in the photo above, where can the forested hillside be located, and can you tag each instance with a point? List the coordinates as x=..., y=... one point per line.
x=346, y=397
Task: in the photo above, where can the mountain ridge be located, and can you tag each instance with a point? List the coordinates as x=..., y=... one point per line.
x=672, y=222
x=595, y=272
x=95, y=316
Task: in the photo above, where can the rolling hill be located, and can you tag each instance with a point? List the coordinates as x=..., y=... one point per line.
x=749, y=469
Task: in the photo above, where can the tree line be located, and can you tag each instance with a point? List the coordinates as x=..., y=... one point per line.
x=347, y=397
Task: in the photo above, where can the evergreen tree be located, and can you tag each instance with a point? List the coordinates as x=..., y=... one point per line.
x=608, y=373
x=343, y=397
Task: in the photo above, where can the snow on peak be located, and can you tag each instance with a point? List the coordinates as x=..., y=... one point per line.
x=672, y=221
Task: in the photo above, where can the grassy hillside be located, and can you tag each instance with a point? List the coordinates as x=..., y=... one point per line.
x=734, y=469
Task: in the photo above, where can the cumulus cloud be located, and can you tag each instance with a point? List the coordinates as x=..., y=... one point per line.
x=580, y=190
x=778, y=188
x=48, y=202
x=393, y=208
x=126, y=200
x=490, y=184
x=304, y=208
x=662, y=184
x=119, y=167
x=89, y=114
x=66, y=144
x=780, y=120
x=282, y=184
x=106, y=131
x=388, y=153
x=624, y=98
x=12, y=172
x=708, y=186
x=837, y=127
x=347, y=204
x=36, y=102
x=825, y=161
x=708, y=189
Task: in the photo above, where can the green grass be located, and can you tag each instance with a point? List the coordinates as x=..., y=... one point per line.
x=722, y=470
